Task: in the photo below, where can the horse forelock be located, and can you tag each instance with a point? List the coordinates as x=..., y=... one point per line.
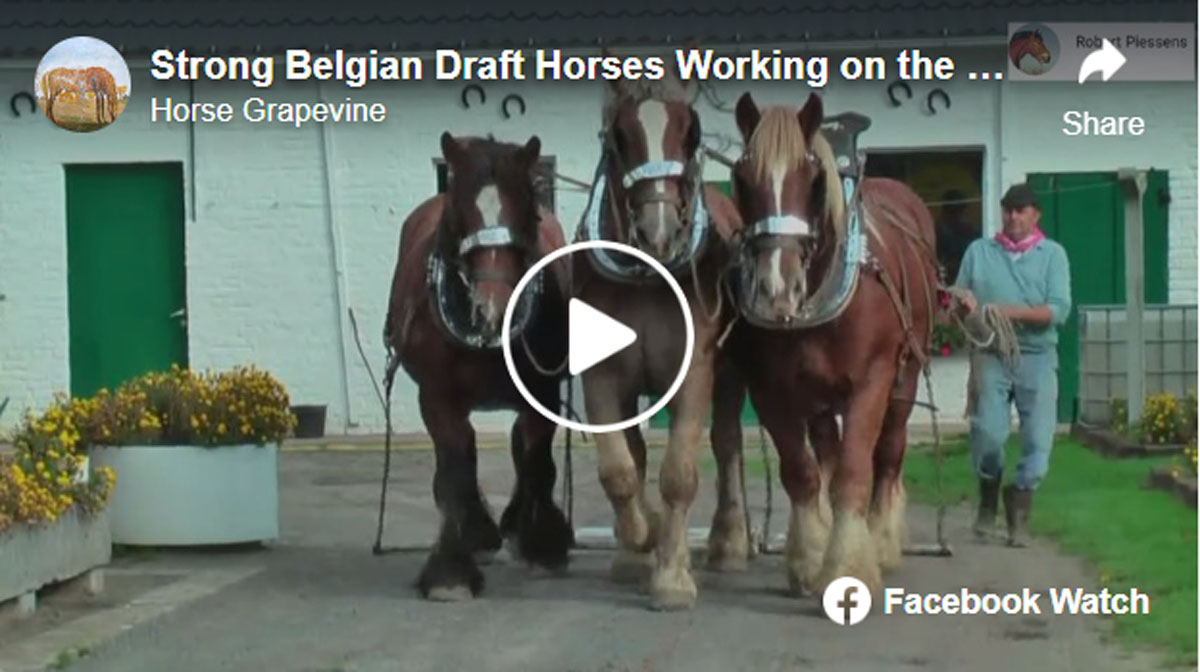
x=636, y=91
x=779, y=140
x=491, y=168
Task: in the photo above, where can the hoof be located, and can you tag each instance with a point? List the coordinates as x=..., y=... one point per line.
x=450, y=594
x=544, y=537
x=450, y=577
x=802, y=582
x=631, y=567
x=672, y=590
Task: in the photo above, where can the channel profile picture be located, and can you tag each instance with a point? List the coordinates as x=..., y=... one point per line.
x=1033, y=49
x=82, y=84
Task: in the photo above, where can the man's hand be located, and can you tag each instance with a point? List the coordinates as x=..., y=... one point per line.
x=967, y=303
x=1037, y=315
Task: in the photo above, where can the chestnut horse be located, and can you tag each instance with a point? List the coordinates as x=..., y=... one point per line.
x=96, y=80
x=836, y=289
x=461, y=256
x=649, y=193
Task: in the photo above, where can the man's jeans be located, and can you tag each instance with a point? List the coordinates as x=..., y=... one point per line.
x=1035, y=391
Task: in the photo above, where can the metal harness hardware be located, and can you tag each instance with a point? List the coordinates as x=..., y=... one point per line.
x=451, y=304
x=598, y=203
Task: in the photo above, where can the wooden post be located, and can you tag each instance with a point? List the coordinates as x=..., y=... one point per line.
x=1133, y=185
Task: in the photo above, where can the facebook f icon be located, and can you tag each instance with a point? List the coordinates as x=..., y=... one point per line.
x=847, y=601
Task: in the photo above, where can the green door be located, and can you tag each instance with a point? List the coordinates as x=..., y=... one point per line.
x=1085, y=212
x=125, y=272
x=661, y=420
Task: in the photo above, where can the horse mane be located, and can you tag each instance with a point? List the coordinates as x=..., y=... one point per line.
x=779, y=138
x=667, y=89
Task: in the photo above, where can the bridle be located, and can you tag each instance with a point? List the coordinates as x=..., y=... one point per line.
x=693, y=213
x=449, y=300
x=791, y=233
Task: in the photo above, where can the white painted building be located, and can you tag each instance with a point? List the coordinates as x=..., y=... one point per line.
x=286, y=230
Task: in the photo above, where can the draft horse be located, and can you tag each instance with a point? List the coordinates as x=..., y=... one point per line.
x=95, y=80
x=836, y=283
x=461, y=256
x=649, y=193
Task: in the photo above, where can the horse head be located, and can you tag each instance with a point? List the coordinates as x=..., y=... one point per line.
x=489, y=228
x=651, y=138
x=788, y=192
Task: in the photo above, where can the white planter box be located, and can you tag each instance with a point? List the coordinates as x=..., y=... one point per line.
x=191, y=496
x=32, y=556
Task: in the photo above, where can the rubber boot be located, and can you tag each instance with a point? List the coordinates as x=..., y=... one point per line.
x=989, y=502
x=1017, y=503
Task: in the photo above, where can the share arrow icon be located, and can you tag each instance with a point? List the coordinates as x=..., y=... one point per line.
x=1106, y=60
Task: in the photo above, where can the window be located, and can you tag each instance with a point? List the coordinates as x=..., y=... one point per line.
x=951, y=184
x=543, y=180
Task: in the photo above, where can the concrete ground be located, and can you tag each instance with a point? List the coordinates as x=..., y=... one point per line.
x=317, y=599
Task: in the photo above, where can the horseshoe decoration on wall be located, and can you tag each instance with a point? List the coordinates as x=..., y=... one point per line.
x=937, y=93
x=19, y=96
x=892, y=93
x=468, y=89
x=512, y=97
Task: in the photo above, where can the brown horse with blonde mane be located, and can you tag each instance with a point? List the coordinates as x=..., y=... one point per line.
x=95, y=80
x=836, y=282
x=461, y=256
x=649, y=193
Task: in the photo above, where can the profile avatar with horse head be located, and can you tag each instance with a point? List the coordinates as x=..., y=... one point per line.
x=461, y=256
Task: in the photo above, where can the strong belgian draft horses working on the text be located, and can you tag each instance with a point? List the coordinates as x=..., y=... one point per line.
x=837, y=303
x=461, y=256
x=649, y=193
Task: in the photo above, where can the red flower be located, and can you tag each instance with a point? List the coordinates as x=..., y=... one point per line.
x=946, y=350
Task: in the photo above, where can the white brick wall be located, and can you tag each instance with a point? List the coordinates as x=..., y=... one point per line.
x=261, y=282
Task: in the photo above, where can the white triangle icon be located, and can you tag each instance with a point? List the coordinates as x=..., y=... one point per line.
x=593, y=337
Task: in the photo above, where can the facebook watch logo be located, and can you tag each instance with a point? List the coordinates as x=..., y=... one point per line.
x=847, y=601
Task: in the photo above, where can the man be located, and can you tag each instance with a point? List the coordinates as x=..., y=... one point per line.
x=1026, y=278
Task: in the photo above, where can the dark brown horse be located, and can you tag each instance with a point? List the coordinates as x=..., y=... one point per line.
x=461, y=256
x=649, y=193
x=836, y=287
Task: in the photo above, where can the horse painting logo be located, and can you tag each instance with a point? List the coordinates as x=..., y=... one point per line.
x=82, y=84
x=1033, y=49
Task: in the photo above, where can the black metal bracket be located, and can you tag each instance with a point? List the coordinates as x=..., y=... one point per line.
x=468, y=89
x=12, y=102
x=512, y=97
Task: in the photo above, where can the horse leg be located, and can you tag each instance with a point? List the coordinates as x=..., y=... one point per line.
x=451, y=573
x=634, y=527
x=728, y=538
x=671, y=585
x=851, y=550
x=543, y=534
x=799, y=473
x=888, y=504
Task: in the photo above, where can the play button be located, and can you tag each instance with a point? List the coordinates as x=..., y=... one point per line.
x=594, y=337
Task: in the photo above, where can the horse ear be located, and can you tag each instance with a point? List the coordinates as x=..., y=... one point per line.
x=690, y=87
x=747, y=114
x=452, y=151
x=528, y=155
x=811, y=115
